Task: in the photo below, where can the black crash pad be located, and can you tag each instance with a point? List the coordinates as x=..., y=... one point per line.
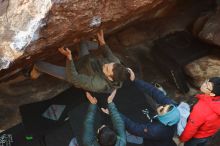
x=31, y=114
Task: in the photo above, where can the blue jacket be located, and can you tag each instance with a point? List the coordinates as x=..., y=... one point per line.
x=154, y=133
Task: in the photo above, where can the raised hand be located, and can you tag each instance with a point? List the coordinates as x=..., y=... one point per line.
x=100, y=36
x=112, y=96
x=105, y=110
x=91, y=99
x=66, y=52
x=132, y=75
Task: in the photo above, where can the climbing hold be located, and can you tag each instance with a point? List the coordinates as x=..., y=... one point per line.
x=95, y=22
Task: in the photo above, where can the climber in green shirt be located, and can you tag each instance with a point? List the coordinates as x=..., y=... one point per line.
x=101, y=74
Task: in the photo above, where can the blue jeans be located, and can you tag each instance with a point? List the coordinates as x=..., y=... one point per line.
x=85, y=46
x=197, y=142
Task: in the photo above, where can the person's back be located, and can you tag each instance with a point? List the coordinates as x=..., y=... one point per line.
x=211, y=108
x=208, y=123
x=104, y=136
x=159, y=131
x=91, y=73
x=98, y=74
x=204, y=120
x=89, y=65
x=92, y=65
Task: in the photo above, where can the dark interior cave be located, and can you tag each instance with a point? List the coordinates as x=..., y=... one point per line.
x=164, y=50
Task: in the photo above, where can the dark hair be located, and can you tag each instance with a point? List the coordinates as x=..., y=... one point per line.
x=170, y=108
x=106, y=137
x=216, y=85
x=120, y=72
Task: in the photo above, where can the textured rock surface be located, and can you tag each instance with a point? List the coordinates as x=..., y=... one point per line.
x=203, y=68
x=21, y=91
x=211, y=29
x=19, y=21
x=39, y=27
x=181, y=17
x=199, y=23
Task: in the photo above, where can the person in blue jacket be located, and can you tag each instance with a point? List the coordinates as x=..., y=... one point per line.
x=159, y=131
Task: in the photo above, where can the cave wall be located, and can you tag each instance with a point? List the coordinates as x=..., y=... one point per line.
x=207, y=28
x=19, y=22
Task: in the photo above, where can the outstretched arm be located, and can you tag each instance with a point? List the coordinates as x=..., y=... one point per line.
x=153, y=92
x=117, y=121
x=89, y=135
x=106, y=50
x=154, y=130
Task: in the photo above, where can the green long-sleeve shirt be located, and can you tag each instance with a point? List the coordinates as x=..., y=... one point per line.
x=89, y=134
x=87, y=72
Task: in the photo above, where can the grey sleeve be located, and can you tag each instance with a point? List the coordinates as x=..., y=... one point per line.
x=90, y=83
x=108, y=54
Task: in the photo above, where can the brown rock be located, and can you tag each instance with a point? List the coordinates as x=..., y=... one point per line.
x=131, y=36
x=202, y=69
x=199, y=24
x=21, y=91
x=37, y=28
x=211, y=30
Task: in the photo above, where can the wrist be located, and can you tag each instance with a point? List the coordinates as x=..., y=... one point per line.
x=102, y=43
x=69, y=57
x=132, y=76
x=109, y=101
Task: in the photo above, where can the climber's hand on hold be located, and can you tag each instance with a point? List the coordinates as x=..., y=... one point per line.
x=66, y=52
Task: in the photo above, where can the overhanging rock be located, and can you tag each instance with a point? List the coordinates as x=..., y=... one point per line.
x=37, y=28
x=19, y=22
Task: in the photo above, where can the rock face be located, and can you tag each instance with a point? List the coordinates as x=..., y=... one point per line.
x=37, y=28
x=206, y=27
x=211, y=30
x=203, y=68
x=21, y=91
x=18, y=28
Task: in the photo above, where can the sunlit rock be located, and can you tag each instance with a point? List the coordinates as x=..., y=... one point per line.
x=202, y=69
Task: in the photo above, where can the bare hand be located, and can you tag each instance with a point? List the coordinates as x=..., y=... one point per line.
x=66, y=52
x=100, y=36
x=132, y=75
x=112, y=96
x=91, y=99
x=179, y=143
x=105, y=110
